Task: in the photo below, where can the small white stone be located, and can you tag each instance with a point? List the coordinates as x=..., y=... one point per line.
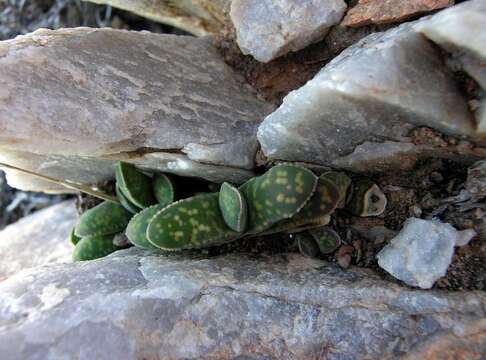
x=421, y=253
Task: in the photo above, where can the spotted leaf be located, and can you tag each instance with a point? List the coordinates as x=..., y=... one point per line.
x=195, y=222
x=317, y=210
x=137, y=227
x=94, y=247
x=278, y=194
x=326, y=238
x=104, y=219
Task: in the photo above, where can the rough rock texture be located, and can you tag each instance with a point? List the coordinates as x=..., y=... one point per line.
x=368, y=12
x=102, y=94
x=460, y=31
x=38, y=239
x=135, y=305
x=267, y=29
x=421, y=253
x=352, y=101
x=200, y=17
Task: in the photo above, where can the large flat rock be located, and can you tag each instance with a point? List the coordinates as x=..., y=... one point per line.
x=38, y=239
x=94, y=94
x=376, y=91
x=135, y=304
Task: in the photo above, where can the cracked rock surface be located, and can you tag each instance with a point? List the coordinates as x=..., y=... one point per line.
x=352, y=103
x=92, y=95
x=38, y=239
x=136, y=304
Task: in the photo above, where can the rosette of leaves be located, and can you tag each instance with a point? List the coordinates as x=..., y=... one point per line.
x=287, y=198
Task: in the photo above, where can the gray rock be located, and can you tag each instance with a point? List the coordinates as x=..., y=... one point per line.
x=267, y=29
x=421, y=253
x=38, y=239
x=379, y=157
x=352, y=101
x=130, y=95
x=460, y=31
x=134, y=305
x=195, y=16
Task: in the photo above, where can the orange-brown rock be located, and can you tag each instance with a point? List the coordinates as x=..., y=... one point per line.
x=368, y=12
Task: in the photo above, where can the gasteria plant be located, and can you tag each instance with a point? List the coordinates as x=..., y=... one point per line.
x=287, y=198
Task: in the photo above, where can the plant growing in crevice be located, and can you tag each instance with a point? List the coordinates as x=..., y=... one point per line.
x=287, y=198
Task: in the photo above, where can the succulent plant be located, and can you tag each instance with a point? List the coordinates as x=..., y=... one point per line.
x=195, y=222
x=93, y=247
x=326, y=239
x=137, y=227
x=163, y=189
x=287, y=198
x=307, y=245
x=277, y=195
x=367, y=199
x=104, y=219
x=233, y=207
x=136, y=186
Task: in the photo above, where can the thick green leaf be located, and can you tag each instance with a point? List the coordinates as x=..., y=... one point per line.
x=233, y=207
x=94, y=247
x=317, y=210
x=135, y=185
x=278, y=194
x=125, y=202
x=195, y=222
x=326, y=238
x=307, y=245
x=163, y=189
x=342, y=183
x=137, y=227
x=104, y=219
x=367, y=199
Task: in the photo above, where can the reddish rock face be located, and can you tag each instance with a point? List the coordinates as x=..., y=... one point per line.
x=368, y=12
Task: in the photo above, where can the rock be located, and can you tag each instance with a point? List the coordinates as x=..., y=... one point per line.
x=136, y=304
x=267, y=29
x=199, y=17
x=38, y=239
x=351, y=101
x=379, y=157
x=421, y=253
x=148, y=98
x=460, y=31
x=368, y=12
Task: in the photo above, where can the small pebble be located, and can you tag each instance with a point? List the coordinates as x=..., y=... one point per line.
x=479, y=213
x=344, y=261
x=415, y=211
x=344, y=250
